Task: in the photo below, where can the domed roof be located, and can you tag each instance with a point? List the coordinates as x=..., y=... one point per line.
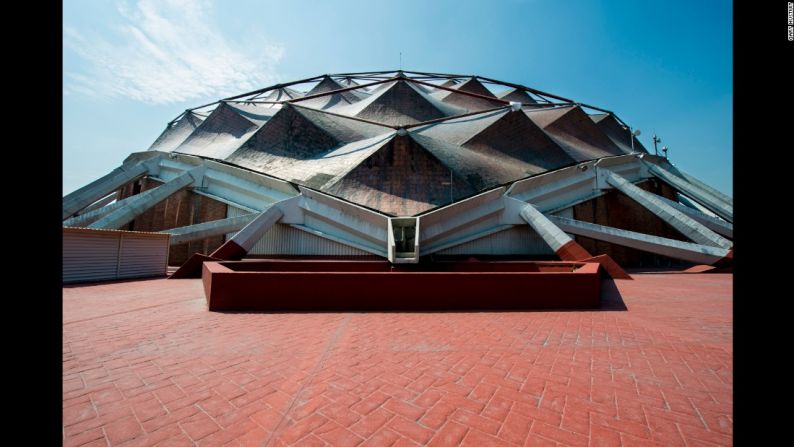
x=398, y=142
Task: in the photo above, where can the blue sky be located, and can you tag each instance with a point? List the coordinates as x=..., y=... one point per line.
x=132, y=66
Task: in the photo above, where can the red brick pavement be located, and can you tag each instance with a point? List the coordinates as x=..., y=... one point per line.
x=144, y=363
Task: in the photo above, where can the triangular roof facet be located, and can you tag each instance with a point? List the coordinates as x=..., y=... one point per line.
x=468, y=102
x=400, y=103
x=572, y=129
x=226, y=129
x=617, y=133
x=281, y=94
x=517, y=95
x=177, y=132
x=303, y=133
x=302, y=145
x=328, y=85
x=519, y=142
x=402, y=178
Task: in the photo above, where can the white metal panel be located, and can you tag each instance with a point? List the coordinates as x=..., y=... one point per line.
x=141, y=257
x=89, y=256
x=519, y=240
x=100, y=255
x=284, y=239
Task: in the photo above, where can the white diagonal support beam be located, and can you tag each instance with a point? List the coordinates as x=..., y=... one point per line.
x=562, y=244
x=551, y=233
x=687, y=226
x=706, y=199
x=245, y=239
x=241, y=243
x=251, y=233
x=101, y=202
x=686, y=201
x=686, y=251
x=208, y=229
x=89, y=217
x=226, y=183
x=351, y=224
x=90, y=193
x=148, y=199
x=713, y=223
x=458, y=222
x=713, y=191
x=563, y=188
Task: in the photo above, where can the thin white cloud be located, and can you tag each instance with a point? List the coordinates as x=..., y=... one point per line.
x=168, y=51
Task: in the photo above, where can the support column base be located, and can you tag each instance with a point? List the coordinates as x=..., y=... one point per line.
x=572, y=251
x=192, y=267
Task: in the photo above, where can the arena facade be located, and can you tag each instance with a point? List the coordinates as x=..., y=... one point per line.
x=411, y=167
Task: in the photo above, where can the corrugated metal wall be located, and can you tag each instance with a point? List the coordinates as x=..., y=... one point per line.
x=287, y=240
x=89, y=257
x=142, y=256
x=519, y=240
x=101, y=255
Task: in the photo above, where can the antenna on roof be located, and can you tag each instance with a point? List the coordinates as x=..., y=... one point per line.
x=401, y=60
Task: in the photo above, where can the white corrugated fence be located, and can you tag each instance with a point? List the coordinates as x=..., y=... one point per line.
x=102, y=255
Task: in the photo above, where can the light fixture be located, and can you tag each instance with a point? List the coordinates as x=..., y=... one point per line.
x=656, y=140
x=632, y=135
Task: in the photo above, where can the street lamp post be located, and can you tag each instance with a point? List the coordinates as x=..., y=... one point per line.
x=632, y=134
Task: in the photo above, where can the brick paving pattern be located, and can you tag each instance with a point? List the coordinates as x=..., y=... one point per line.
x=144, y=363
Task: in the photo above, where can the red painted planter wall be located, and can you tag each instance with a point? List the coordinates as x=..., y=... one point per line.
x=345, y=286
